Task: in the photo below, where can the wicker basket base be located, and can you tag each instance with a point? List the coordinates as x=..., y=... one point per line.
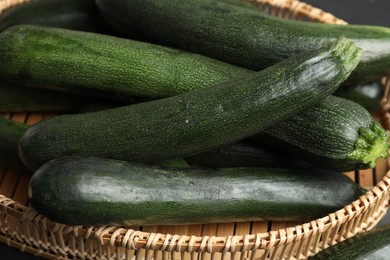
x=21, y=227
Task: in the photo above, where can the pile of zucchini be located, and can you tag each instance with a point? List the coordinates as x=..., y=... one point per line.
x=227, y=115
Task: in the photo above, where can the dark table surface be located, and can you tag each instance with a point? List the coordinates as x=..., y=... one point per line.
x=373, y=12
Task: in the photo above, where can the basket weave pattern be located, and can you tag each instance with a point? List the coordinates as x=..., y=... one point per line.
x=293, y=9
x=24, y=228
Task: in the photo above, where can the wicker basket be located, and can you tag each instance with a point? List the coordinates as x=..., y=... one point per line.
x=23, y=228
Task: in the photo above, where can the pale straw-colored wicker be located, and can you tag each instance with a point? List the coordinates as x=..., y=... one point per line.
x=25, y=229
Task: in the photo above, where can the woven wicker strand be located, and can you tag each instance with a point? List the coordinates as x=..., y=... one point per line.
x=31, y=229
x=294, y=9
x=24, y=228
x=6, y=4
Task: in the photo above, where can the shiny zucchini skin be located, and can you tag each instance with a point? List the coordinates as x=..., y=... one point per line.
x=372, y=244
x=96, y=191
x=369, y=95
x=10, y=133
x=243, y=36
x=80, y=15
x=198, y=120
x=103, y=65
x=336, y=134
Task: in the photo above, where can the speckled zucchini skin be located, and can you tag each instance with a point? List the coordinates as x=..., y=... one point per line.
x=95, y=191
x=337, y=134
x=195, y=121
x=243, y=36
x=102, y=65
x=80, y=15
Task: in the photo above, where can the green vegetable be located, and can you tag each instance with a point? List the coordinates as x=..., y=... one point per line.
x=372, y=244
x=10, y=133
x=14, y=98
x=245, y=154
x=195, y=121
x=243, y=36
x=368, y=95
x=96, y=64
x=337, y=134
x=80, y=15
x=175, y=163
x=96, y=191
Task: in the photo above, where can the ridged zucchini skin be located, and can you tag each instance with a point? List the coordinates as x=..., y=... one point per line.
x=369, y=95
x=104, y=65
x=10, y=133
x=80, y=15
x=198, y=120
x=95, y=191
x=337, y=134
x=243, y=36
x=372, y=244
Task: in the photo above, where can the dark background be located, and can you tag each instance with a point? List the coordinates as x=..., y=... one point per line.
x=372, y=12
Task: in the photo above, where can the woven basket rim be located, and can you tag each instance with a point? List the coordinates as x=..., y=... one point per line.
x=299, y=8
x=135, y=239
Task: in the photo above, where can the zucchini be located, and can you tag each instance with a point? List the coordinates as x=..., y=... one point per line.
x=372, y=244
x=175, y=163
x=368, y=95
x=14, y=98
x=196, y=121
x=245, y=154
x=10, y=133
x=337, y=134
x=107, y=66
x=80, y=15
x=96, y=191
x=243, y=36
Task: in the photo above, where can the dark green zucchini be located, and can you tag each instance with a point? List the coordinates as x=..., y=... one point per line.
x=96, y=64
x=337, y=134
x=198, y=120
x=175, y=163
x=96, y=191
x=243, y=36
x=245, y=154
x=14, y=98
x=80, y=15
x=10, y=133
x=368, y=95
x=373, y=244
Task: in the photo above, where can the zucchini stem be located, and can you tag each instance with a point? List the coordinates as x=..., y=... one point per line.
x=347, y=53
x=372, y=143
